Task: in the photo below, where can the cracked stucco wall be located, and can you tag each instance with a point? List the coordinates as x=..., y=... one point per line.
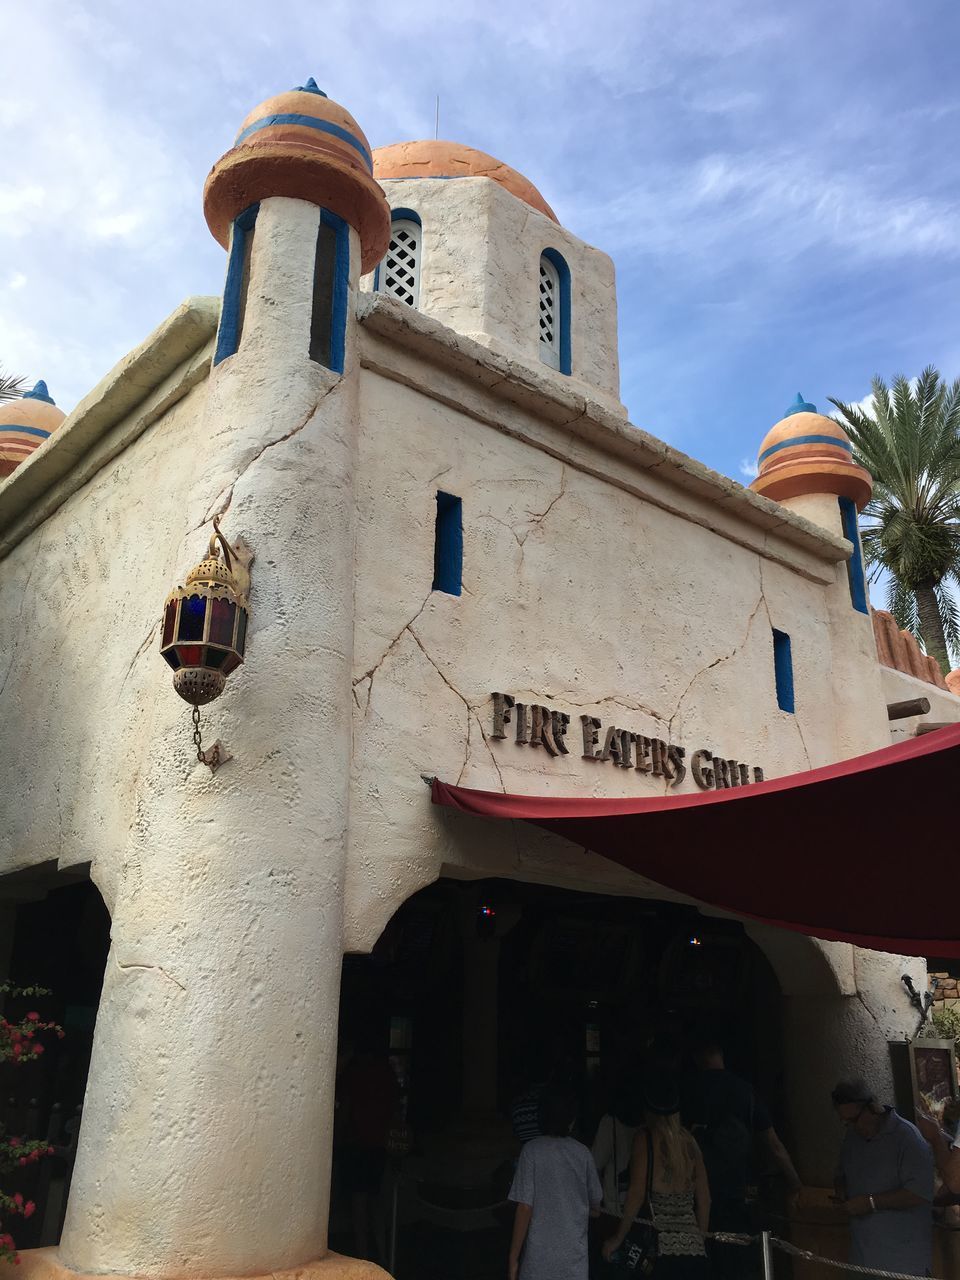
x=576, y=594
x=580, y=595
x=79, y=600
x=480, y=275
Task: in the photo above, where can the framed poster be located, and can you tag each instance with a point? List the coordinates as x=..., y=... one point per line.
x=933, y=1075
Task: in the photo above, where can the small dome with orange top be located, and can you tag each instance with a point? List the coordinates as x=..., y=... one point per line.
x=25, y=424
x=806, y=453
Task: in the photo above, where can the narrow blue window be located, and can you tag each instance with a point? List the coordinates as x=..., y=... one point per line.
x=783, y=670
x=235, y=289
x=331, y=278
x=555, y=348
x=855, y=574
x=448, y=545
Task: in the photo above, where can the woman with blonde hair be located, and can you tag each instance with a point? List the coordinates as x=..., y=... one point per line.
x=668, y=1187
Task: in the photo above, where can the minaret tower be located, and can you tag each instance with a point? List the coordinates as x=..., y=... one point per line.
x=208, y=1123
x=806, y=463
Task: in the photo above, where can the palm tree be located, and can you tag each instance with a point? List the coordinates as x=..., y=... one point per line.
x=910, y=444
x=10, y=387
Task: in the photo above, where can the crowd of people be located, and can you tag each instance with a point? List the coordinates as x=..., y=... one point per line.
x=670, y=1167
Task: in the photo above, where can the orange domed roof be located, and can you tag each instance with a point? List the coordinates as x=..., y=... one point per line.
x=301, y=144
x=435, y=159
x=25, y=424
x=805, y=453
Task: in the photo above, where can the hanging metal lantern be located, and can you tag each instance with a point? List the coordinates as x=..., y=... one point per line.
x=205, y=625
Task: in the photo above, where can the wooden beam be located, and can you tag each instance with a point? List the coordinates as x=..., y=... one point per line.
x=932, y=728
x=911, y=707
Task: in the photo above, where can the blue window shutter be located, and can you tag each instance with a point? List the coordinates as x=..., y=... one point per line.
x=783, y=670
x=448, y=545
x=855, y=575
x=235, y=289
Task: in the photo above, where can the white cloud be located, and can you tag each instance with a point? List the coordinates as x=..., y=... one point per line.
x=16, y=281
x=748, y=468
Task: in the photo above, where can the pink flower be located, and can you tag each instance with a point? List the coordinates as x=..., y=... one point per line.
x=49, y=1151
x=28, y=1209
x=17, y=1050
x=14, y=1142
x=18, y=1200
x=22, y=1160
x=37, y=1048
x=33, y=1017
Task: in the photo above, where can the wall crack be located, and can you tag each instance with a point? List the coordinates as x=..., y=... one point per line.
x=140, y=651
x=153, y=968
x=724, y=657
x=224, y=503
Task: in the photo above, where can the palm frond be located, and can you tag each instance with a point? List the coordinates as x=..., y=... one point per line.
x=10, y=386
x=910, y=529
x=903, y=605
x=949, y=606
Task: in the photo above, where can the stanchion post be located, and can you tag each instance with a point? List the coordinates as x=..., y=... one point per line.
x=767, y=1256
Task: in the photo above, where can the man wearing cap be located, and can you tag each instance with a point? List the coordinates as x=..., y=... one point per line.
x=885, y=1182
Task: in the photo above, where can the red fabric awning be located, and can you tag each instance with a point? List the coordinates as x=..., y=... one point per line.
x=851, y=852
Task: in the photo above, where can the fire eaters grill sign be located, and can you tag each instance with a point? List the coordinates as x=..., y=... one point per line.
x=535, y=725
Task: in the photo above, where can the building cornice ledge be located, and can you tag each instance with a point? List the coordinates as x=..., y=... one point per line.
x=518, y=383
x=134, y=394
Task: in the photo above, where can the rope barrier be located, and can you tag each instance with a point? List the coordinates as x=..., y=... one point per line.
x=737, y=1237
x=796, y=1252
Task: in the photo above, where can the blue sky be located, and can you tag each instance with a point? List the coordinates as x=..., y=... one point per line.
x=777, y=183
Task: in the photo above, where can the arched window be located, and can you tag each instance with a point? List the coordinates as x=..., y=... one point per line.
x=399, y=273
x=554, y=311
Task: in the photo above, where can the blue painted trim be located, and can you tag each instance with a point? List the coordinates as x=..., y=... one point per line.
x=18, y=426
x=448, y=545
x=39, y=392
x=856, y=577
x=563, y=271
x=310, y=87
x=783, y=671
x=341, y=285
x=228, y=335
x=800, y=406
x=787, y=444
x=308, y=122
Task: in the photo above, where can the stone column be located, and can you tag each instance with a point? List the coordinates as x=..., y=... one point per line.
x=206, y=1138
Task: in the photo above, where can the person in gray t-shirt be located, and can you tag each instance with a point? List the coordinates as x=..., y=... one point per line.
x=885, y=1181
x=556, y=1190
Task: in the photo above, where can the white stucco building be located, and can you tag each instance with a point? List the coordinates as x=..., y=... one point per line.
x=407, y=405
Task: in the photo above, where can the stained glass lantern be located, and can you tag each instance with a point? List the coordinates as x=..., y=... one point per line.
x=205, y=623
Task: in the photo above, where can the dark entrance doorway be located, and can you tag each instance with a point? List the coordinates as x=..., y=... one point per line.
x=473, y=990
x=57, y=936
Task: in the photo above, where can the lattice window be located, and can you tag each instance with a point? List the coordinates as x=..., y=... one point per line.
x=549, y=313
x=399, y=272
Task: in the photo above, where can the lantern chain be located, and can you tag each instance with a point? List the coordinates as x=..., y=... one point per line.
x=197, y=742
